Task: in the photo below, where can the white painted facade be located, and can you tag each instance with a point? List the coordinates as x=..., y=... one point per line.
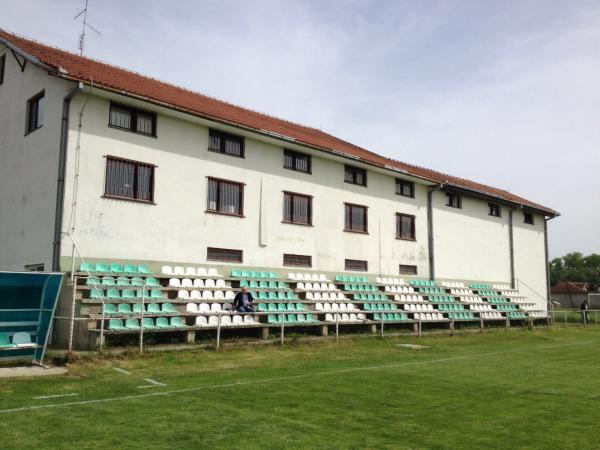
x=468, y=243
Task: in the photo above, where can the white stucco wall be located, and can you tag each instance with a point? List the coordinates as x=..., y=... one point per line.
x=28, y=166
x=178, y=229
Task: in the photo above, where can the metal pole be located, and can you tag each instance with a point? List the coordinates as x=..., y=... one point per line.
x=218, y=331
x=481, y=324
x=72, y=324
x=382, y=326
x=102, y=323
x=337, y=327
x=420, y=329
x=452, y=327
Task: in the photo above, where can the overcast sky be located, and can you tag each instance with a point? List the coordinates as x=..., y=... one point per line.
x=506, y=93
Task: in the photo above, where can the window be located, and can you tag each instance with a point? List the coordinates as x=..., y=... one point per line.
x=405, y=226
x=297, y=260
x=35, y=113
x=454, y=200
x=528, y=218
x=132, y=119
x=225, y=143
x=406, y=269
x=225, y=197
x=405, y=188
x=296, y=161
x=355, y=218
x=2, y=66
x=297, y=208
x=356, y=265
x=224, y=254
x=494, y=209
x=131, y=180
x=35, y=267
x=355, y=175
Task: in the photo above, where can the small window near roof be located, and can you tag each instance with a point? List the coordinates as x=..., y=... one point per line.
x=453, y=200
x=228, y=144
x=405, y=188
x=35, y=113
x=296, y=161
x=2, y=66
x=356, y=265
x=132, y=119
x=494, y=209
x=528, y=217
x=355, y=175
x=406, y=269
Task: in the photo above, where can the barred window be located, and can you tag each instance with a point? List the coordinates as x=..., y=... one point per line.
x=35, y=113
x=527, y=218
x=296, y=161
x=355, y=175
x=297, y=208
x=453, y=200
x=297, y=260
x=406, y=269
x=225, y=197
x=355, y=218
x=228, y=144
x=224, y=254
x=356, y=265
x=405, y=188
x=126, y=179
x=494, y=209
x=405, y=226
x=2, y=66
x=131, y=119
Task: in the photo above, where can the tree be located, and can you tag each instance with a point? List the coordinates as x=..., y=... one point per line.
x=575, y=267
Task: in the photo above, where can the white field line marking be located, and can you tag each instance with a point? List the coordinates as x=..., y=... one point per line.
x=154, y=382
x=54, y=396
x=118, y=369
x=289, y=377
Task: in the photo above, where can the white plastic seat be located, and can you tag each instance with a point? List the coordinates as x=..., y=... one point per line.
x=220, y=283
x=195, y=294
x=191, y=271
x=361, y=316
x=345, y=318
x=317, y=296
x=201, y=272
x=22, y=340
x=379, y=280
x=335, y=307
x=213, y=321
x=203, y=307
x=210, y=283
x=325, y=296
x=218, y=295
x=319, y=307
x=329, y=318
x=249, y=320
x=324, y=287
x=178, y=270
x=167, y=270
x=186, y=282
x=191, y=308
x=322, y=277
x=326, y=307
x=331, y=287
x=308, y=286
x=299, y=276
x=314, y=277
x=428, y=316
x=237, y=320
x=350, y=307
x=183, y=294
x=226, y=321
x=229, y=295
x=212, y=272
x=174, y=282
x=198, y=282
x=342, y=307
x=201, y=321
x=309, y=296
x=215, y=307
x=341, y=296
x=300, y=285
x=207, y=295
x=406, y=307
x=292, y=276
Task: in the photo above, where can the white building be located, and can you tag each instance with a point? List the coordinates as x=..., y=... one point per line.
x=137, y=169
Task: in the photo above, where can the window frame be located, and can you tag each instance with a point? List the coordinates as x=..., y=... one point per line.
x=494, y=209
x=216, y=211
x=294, y=155
x=526, y=215
x=310, y=209
x=354, y=205
x=287, y=263
x=355, y=170
x=401, y=183
x=405, y=272
x=35, y=100
x=130, y=199
x=414, y=227
x=348, y=262
x=223, y=135
x=458, y=200
x=2, y=67
x=225, y=259
x=133, y=111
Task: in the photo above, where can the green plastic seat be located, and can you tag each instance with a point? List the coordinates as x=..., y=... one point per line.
x=292, y=318
x=128, y=294
x=137, y=308
x=281, y=307
x=281, y=296
x=263, y=295
x=262, y=307
x=115, y=268
x=236, y=273
x=124, y=308
x=290, y=295
x=102, y=267
x=282, y=285
x=122, y=281
x=115, y=324
x=387, y=306
x=113, y=293
x=367, y=306
x=153, y=308
x=254, y=284
x=244, y=283
x=397, y=316
x=300, y=307
x=87, y=267
x=108, y=281
x=264, y=285
x=310, y=318
x=168, y=308
x=272, y=295
x=263, y=275
x=132, y=324
x=254, y=274
x=130, y=268
x=301, y=318
x=151, y=281
x=110, y=308
x=380, y=307
x=93, y=280
x=273, y=275
x=162, y=322
x=272, y=284
x=271, y=318
x=142, y=268
x=5, y=341
x=96, y=293
x=139, y=293
x=377, y=316
x=148, y=322
x=178, y=322
x=245, y=274
x=156, y=294
x=291, y=307
x=137, y=281
x=338, y=278
x=272, y=306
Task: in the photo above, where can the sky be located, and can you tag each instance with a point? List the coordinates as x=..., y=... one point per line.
x=506, y=93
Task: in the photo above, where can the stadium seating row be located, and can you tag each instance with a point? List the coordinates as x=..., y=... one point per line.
x=461, y=292
x=347, y=318
x=409, y=298
x=190, y=271
x=400, y=289
x=421, y=283
x=316, y=287
x=246, y=273
x=148, y=323
x=137, y=308
x=121, y=281
x=441, y=298
x=429, y=316
x=205, y=295
x=374, y=297
x=226, y=321
x=263, y=284
x=390, y=281
x=361, y=287
x=102, y=267
x=380, y=306
x=198, y=283
x=453, y=284
x=481, y=307
x=471, y=299
x=431, y=290
x=127, y=294
x=450, y=307
x=291, y=319
x=466, y=315
x=387, y=317
x=480, y=286
x=19, y=339
x=308, y=277
x=496, y=300
x=265, y=307
x=507, y=307
x=350, y=279
x=325, y=296
x=419, y=307
x=491, y=315
x=336, y=307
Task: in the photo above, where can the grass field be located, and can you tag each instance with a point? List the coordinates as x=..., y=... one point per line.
x=515, y=389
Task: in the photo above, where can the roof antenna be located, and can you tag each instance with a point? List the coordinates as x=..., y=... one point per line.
x=84, y=28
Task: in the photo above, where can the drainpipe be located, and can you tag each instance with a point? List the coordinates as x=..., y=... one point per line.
x=546, y=219
x=430, y=192
x=511, y=246
x=60, y=184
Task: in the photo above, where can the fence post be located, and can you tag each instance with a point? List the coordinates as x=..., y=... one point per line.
x=337, y=327
x=142, y=320
x=566, y=324
x=218, y=331
x=282, y=328
x=452, y=327
x=420, y=328
x=382, y=326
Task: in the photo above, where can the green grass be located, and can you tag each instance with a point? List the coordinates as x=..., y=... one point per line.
x=524, y=389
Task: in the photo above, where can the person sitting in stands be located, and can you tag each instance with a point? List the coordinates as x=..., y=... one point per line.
x=243, y=301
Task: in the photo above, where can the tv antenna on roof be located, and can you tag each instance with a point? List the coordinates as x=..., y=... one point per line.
x=86, y=25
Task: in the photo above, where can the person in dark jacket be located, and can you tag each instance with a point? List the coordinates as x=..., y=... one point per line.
x=243, y=301
x=584, y=311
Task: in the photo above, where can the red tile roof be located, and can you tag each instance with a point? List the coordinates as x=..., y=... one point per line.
x=71, y=66
x=570, y=287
